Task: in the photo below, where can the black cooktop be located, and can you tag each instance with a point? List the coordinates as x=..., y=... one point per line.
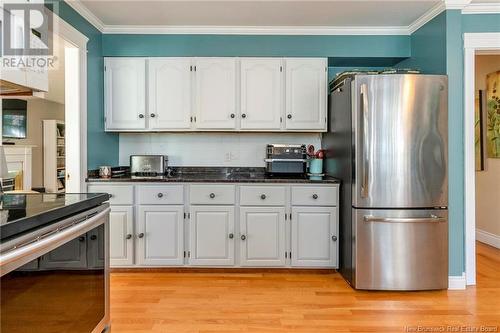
x=22, y=213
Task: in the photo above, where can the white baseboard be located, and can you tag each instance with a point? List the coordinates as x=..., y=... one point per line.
x=457, y=282
x=488, y=238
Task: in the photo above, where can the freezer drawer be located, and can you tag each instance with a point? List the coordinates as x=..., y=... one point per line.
x=400, y=249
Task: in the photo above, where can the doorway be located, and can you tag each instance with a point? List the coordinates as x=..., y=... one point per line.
x=481, y=193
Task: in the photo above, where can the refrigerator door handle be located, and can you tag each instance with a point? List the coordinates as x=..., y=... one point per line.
x=431, y=218
x=364, y=145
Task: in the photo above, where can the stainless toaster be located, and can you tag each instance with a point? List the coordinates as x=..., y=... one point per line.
x=148, y=164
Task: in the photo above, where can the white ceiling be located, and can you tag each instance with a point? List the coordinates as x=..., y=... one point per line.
x=325, y=13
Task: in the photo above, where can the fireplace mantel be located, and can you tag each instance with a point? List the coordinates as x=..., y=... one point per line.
x=19, y=158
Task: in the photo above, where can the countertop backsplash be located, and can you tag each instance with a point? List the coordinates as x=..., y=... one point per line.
x=209, y=149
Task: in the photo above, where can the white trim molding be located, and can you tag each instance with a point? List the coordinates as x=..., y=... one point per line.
x=255, y=30
x=429, y=15
x=473, y=42
x=457, y=282
x=488, y=238
x=456, y=4
x=87, y=14
x=482, y=8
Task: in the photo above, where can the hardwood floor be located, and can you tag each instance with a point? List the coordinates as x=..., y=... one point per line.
x=297, y=302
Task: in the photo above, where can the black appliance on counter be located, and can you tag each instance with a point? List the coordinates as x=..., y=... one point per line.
x=283, y=159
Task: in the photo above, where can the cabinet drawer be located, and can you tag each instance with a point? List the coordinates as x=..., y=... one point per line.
x=262, y=195
x=160, y=194
x=212, y=194
x=119, y=194
x=315, y=195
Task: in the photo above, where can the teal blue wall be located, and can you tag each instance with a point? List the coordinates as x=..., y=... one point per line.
x=102, y=148
x=481, y=23
x=428, y=47
x=241, y=45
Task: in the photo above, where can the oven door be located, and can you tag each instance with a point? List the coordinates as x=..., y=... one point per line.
x=64, y=289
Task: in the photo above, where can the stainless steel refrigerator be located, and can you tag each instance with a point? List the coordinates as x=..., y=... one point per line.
x=388, y=143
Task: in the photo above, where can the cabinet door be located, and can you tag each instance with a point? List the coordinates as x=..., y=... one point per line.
x=124, y=93
x=211, y=235
x=262, y=236
x=71, y=255
x=169, y=93
x=121, y=240
x=160, y=235
x=306, y=84
x=314, y=236
x=96, y=250
x=215, y=93
x=261, y=93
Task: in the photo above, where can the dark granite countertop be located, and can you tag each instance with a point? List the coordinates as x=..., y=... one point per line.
x=21, y=213
x=213, y=175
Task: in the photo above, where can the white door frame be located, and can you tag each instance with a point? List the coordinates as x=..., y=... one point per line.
x=473, y=42
x=77, y=137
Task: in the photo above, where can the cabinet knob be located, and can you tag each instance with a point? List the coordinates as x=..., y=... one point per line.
x=243, y=237
x=160, y=195
x=93, y=237
x=334, y=238
x=289, y=116
x=315, y=196
x=212, y=195
x=262, y=196
x=231, y=236
x=128, y=236
x=233, y=115
x=243, y=115
x=152, y=115
x=81, y=238
x=141, y=115
x=140, y=235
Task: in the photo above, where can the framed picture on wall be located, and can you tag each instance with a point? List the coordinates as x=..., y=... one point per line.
x=493, y=114
x=479, y=126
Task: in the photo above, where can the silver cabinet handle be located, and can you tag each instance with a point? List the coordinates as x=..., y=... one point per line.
x=233, y=115
x=431, y=218
x=243, y=237
x=160, y=195
x=263, y=196
x=364, y=144
x=334, y=238
x=81, y=238
x=243, y=115
x=141, y=115
x=231, y=236
x=128, y=236
x=212, y=195
x=140, y=235
x=93, y=237
x=152, y=115
x=315, y=196
x=289, y=116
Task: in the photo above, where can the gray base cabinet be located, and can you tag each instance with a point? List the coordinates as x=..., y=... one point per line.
x=262, y=236
x=211, y=236
x=221, y=225
x=314, y=236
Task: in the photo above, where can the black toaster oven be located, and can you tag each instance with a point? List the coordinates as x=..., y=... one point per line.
x=286, y=159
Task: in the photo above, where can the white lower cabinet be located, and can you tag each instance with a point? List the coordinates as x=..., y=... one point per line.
x=314, y=236
x=262, y=236
x=121, y=240
x=211, y=236
x=160, y=235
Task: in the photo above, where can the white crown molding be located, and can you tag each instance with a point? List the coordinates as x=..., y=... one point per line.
x=255, y=30
x=81, y=9
x=426, y=17
x=482, y=8
x=456, y=4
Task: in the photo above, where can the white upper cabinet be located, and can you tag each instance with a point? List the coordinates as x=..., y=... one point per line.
x=125, y=93
x=306, y=95
x=261, y=93
x=169, y=94
x=215, y=93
